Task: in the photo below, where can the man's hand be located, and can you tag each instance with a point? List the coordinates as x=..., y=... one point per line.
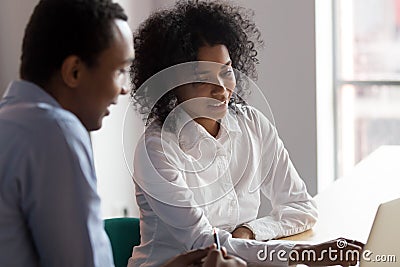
x=243, y=232
x=218, y=258
x=190, y=258
x=207, y=257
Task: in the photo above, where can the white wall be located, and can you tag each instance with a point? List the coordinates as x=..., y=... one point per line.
x=113, y=154
x=14, y=14
x=286, y=75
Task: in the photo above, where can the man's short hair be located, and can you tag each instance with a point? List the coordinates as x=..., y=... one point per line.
x=60, y=28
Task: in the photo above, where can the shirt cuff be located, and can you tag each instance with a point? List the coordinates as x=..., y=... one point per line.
x=263, y=231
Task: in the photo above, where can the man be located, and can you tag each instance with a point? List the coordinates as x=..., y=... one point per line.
x=75, y=63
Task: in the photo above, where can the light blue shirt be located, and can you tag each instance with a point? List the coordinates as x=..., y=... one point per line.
x=49, y=206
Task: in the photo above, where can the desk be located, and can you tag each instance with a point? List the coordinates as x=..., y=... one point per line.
x=347, y=208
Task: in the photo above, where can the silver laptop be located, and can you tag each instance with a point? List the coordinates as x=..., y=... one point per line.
x=383, y=245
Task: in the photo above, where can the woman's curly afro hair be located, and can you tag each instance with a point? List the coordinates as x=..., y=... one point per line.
x=172, y=36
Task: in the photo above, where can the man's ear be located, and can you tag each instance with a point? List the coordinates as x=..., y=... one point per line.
x=71, y=71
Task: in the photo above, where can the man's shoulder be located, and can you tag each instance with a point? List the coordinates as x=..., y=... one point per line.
x=40, y=122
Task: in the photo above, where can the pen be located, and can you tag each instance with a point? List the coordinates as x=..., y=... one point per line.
x=216, y=238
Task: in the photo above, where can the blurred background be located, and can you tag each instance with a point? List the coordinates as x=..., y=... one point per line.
x=330, y=70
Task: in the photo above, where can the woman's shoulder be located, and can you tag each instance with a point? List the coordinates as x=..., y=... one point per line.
x=157, y=137
x=254, y=120
x=248, y=113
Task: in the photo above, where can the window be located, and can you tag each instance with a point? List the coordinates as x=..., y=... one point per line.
x=366, y=78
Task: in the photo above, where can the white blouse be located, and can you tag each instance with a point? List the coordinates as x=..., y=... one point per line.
x=188, y=182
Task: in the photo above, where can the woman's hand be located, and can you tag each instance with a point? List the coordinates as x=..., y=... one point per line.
x=243, y=232
x=339, y=251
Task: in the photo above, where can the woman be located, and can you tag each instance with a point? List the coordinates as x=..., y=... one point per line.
x=207, y=156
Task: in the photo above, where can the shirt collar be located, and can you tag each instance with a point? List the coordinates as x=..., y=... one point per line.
x=24, y=91
x=189, y=132
x=230, y=122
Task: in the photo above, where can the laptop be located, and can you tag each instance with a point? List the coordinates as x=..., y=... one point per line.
x=383, y=244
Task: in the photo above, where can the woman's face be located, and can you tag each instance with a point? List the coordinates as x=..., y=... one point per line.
x=207, y=101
